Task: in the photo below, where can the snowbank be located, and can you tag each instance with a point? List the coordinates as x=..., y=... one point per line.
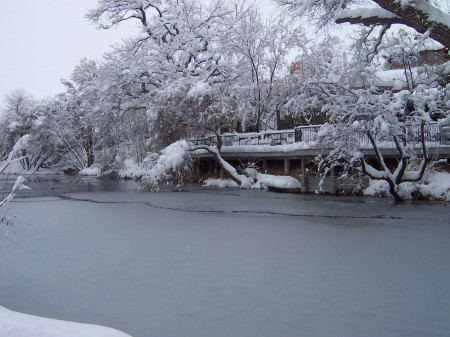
x=221, y=183
x=90, y=171
x=131, y=169
x=14, y=324
x=261, y=181
x=278, y=181
x=437, y=186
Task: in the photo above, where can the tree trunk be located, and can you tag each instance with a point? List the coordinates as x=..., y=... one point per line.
x=89, y=146
x=393, y=191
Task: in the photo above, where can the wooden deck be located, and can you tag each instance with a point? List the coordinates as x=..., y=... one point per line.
x=267, y=144
x=293, y=151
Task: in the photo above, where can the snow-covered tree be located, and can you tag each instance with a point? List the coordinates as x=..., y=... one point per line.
x=259, y=51
x=178, y=38
x=321, y=71
x=177, y=52
x=17, y=118
x=120, y=114
x=366, y=121
x=70, y=118
x=361, y=119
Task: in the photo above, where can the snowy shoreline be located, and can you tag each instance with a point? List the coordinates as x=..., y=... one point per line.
x=435, y=187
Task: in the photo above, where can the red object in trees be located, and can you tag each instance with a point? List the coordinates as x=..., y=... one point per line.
x=295, y=67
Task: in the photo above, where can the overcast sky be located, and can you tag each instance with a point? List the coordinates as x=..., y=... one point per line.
x=42, y=41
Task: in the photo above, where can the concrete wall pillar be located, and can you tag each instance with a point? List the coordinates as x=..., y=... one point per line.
x=287, y=168
x=264, y=164
x=303, y=177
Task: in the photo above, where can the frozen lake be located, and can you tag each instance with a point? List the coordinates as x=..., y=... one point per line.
x=229, y=263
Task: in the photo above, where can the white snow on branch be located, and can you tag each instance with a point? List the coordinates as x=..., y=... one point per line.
x=433, y=13
x=170, y=159
x=12, y=157
x=244, y=181
x=365, y=13
x=199, y=89
x=20, y=145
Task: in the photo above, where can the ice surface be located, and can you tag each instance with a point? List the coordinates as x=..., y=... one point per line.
x=233, y=262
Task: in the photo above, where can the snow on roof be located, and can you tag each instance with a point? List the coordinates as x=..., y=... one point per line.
x=394, y=78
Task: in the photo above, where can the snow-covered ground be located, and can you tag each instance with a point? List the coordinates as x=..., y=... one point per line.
x=14, y=324
x=231, y=263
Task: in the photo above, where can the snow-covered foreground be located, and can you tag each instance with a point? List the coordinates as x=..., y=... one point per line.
x=231, y=263
x=14, y=324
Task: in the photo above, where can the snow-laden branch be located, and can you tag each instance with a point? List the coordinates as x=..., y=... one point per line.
x=421, y=15
x=367, y=16
x=242, y=180
x=171, y=164
x=12, y=157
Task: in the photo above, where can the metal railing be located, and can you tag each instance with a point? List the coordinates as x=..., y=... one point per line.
x=432, y=133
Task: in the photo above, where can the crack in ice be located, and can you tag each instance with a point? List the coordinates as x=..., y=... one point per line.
x=323, y=216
